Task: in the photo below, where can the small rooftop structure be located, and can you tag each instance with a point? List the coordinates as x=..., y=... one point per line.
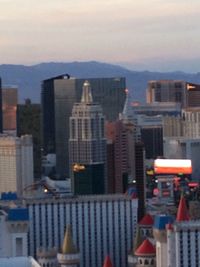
x=147, y=220
x=146, y=249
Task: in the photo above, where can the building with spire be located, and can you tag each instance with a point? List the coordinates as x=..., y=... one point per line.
x=87, y=146
x=120, y=135
x=58, y=97
x=146, y=254
x=69, y=255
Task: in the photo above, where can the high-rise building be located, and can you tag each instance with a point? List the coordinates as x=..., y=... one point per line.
x=101, y=225
x=185, y=93
x=58, y=97
x=9, y=105
x=121, y=134
x=87, y=146
x=29, y=122
x=16, y=163
x=1, y=114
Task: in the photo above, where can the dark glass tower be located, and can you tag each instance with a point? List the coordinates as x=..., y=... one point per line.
x=29, y=122
x=87, y=145
x=58, y=97
x=1, y=112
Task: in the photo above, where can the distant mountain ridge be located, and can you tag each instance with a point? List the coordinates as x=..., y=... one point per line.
x=29, y=78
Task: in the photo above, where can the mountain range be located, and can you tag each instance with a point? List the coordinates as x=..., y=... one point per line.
x=29, y=78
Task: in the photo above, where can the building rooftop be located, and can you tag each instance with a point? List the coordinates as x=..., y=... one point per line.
x=18, y=262
x=146, y=220
x=161, y=221
x=18, y=214
x=146, y=249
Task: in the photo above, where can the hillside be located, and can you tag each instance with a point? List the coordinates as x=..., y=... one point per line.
x=28, y=78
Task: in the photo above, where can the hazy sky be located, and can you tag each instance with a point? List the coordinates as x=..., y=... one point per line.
x=134, y=32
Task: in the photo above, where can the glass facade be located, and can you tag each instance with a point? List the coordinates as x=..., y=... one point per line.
x=58, y=97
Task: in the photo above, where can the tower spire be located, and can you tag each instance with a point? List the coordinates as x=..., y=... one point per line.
x=68, y=246
x=182, y=213
x=127, y=113
x=86, y=93
x=69, y=256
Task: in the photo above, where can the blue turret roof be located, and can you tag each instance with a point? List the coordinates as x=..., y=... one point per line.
x=18, y=214
x=160, y=221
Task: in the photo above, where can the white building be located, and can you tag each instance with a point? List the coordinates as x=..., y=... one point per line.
x=16, y=163
x=13, y=232
x=177, y=244
x=101, y=225
x=18, y=262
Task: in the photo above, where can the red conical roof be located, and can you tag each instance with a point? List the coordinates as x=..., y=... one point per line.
x=107, y=262
x=146, y=220
x=182, y=213
x=145, y=249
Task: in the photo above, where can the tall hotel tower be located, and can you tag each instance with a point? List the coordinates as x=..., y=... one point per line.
x=58, y=96
x=87, y=145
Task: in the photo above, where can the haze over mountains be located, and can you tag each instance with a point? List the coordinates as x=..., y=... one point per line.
x=28, y=78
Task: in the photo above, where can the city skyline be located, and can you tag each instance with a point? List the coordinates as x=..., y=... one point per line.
x=136, y=34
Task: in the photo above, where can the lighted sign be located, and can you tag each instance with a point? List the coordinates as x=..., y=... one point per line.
x=172, y=166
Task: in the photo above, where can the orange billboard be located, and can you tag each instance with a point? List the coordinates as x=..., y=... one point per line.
x=172, y=166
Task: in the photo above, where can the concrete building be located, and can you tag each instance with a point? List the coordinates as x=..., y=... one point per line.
x=58, y=97
x=101, y=225
x=14, y=224
x=87, y=146
x=16, y=163
x=184, y=148
x=158, y=108
x=9, y=105
x=185, y=93
x=173, y=126
x=120, y=135
x=191, y=122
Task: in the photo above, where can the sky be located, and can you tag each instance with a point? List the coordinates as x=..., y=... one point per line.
x=143, y=34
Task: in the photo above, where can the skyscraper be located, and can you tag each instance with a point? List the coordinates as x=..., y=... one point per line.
x=185, y=93
x=58, y=97
x=87, y=145
x=16, y=163
x=9, y=106
x=29, y=122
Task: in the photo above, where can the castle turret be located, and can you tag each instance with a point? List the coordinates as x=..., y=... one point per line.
x=132, y=259
x=47, y=257
x=146, y=254
x=69, y=256
x=107, y=262
x=182, y=213
x=146, y=225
